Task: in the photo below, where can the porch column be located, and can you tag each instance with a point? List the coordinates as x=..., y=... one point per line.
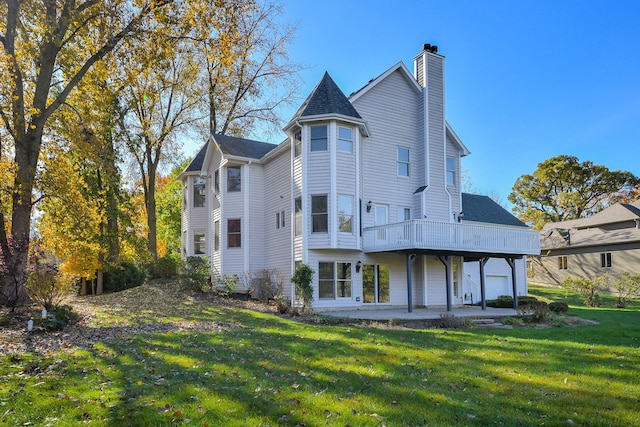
x=446, y=260
x=512, y=264
x=483, y=301
x=410, y=259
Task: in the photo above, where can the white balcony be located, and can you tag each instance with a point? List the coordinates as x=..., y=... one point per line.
x=451, y=237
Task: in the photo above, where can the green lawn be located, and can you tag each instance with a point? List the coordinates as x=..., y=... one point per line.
x=263, y=370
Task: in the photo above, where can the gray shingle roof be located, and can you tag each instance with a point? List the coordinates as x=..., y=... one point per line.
x=479, y=208
x=231, y=146
x=327, y=98
x=242, y=147
x=196, y=163
x=587, y=237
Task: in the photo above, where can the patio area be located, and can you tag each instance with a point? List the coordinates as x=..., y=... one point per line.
x=421, y=314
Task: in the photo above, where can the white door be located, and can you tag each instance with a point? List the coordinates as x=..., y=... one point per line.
x=382, y=218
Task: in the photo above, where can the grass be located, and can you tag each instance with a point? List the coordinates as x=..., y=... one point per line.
x=264, y=370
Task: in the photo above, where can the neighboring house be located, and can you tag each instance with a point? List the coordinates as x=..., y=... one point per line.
x=606, y=243
x=364, y=189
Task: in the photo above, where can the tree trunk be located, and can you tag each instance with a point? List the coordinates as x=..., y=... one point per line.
x=13, y=290
x=150, y=201
x=99, y=279
x=83, y=286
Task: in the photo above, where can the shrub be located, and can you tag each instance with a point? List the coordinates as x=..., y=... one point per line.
x=506, y=301
x=558, y=307
x=282, y=304
x=45, y=284
x=537, y=312
x=515, y=321
x=58, y=317
x=194, y=273
x=227, y=284
x=302, y=278
x=122, y=276
x=628, y=288
x=589, y=288
x=266, y=285
x=166, y=267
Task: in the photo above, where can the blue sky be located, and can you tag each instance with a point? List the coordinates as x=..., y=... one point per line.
x=525, y=80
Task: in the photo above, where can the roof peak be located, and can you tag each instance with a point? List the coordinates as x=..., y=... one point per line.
x=327, y=98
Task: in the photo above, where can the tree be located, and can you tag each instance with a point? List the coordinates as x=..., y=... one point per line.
x=169, y=195
x=562, y=188
x=246, y=68
x=44, y=55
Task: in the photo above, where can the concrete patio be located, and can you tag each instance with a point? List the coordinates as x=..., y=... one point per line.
x=421, y=314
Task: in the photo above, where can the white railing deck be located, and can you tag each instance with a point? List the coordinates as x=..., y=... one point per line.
x=451, y=236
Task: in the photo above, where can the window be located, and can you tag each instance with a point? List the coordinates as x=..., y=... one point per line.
x=297, y=144
x=345, y=214
x=343, y=284
x=562, y=263
x=375, y=284
x=216, y=236
x=325, y=280
x=198, y=192
x=404, y=214
x=234, y=233
x=184, y=197
x=280, y=219
x=234, y=181
x=403, y=161
x=451, y=171
x=605, y=260
x=334, y=279
x=318, y=138
x=319, y=215
x=345, y=139
x=298, y=218
x=199, y=245
x=216, y=182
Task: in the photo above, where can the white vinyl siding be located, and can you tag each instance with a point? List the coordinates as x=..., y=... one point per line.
x=391, y=127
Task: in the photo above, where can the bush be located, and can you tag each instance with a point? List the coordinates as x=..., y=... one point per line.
x=537, y=312
x=589, y=288
x=302, y=278
x=506, y=301
x=227, y=284
x=628, y=288
x=514, y=321
x=194, y=273
x=59, y=317
x=558, y=307
x=166, y=267
x=122, y=276
x=266, y=285
x=45, y=284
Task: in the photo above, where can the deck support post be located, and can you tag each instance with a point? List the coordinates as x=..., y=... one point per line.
x=483, y=300
x=410, y=259
x=446, y=260
x=512, y=264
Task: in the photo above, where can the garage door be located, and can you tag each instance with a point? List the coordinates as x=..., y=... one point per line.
x=497, y=285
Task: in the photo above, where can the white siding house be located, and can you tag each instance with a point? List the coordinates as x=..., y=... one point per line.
x=366, y=190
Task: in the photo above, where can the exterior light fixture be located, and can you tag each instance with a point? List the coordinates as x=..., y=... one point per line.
x=358, y=266
x=369, y=205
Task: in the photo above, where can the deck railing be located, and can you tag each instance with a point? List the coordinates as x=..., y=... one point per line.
x=451, y=236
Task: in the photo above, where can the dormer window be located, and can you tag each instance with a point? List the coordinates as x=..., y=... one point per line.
x=319, y=138
x=345, y=139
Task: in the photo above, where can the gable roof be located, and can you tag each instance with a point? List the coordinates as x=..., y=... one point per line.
x=400, y=67
x=583, y=232
x=198, y=160
x=478, y=208
x=242, y=147
x=620, y=212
